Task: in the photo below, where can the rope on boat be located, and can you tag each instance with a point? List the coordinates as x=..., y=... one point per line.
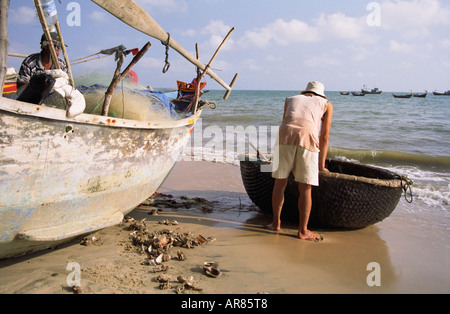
x=167, y=63
x=206, y=104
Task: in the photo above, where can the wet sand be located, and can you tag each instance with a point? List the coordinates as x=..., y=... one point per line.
x=251, y=259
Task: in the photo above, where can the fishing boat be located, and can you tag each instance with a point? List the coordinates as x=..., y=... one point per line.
x=358, y=94
x=374, y=91
x=344, y=93
x=402, y=95
x=62, y=177
x=185, y=94
x=421, y=95
x=447, y=93
x=350, y=196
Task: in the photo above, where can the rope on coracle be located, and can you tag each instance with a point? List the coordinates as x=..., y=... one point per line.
x=406, y=187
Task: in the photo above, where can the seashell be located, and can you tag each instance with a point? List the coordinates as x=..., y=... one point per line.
x=180, y=289
x=77, y=289
x=163, y=240
x=163, y=278
x=201, y=239
x=212, y=269
x=181, y=255
x=166, y=257
x=158, y=260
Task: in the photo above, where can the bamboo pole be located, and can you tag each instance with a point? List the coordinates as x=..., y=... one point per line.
x=63, y=47
x=119, y=76
x=199, y=77
x=4, y=40
x=44, y=25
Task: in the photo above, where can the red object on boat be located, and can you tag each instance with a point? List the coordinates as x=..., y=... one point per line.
x=132, y=77
x=9, y=88
x=189, y=87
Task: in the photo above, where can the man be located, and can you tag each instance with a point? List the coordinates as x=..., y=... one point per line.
x=301, y=151
x=39, y=62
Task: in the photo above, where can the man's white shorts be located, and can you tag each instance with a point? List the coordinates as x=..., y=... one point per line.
x=304, y=164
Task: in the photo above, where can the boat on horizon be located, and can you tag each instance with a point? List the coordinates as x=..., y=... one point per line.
x=62, y=177
x=446, y=93
x=402, y=95
x=344, y=93
x=374, y=91
x=421, y=95
x=358, y=94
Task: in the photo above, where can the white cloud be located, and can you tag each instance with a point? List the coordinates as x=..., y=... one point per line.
x=445, y=43
x=166, y=5
x=281, y=32
x=397, y=47
x=413, y=18
x=99, y=16
x=216, y=31
x=23, y=15
x=339, y=25
x=332, y=26
x=321, y=61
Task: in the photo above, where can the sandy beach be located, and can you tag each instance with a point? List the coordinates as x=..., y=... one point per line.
x=251, y=260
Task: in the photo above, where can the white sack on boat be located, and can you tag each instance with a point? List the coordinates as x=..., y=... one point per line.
x=72, y=97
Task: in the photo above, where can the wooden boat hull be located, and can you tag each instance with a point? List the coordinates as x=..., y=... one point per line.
x=442, y=94
x=63, y=177
x=344, y=198
x=371, y=92
x=402, y=96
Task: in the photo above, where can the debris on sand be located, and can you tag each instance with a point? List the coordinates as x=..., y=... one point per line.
x=157, y=201
x=164, y=245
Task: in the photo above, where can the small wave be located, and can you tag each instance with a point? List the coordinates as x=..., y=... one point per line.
x=387, y=157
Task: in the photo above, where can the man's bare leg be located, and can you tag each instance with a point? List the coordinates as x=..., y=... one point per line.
x=277, y=203
x=304, y=207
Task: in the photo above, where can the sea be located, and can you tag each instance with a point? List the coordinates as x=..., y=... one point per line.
x=409, y=136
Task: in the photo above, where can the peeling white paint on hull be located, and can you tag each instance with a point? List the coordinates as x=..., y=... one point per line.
x=62, y=177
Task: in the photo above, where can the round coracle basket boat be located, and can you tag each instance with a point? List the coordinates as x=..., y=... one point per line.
x=350, y=196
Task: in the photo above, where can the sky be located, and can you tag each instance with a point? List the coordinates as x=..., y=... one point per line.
x=395, y=45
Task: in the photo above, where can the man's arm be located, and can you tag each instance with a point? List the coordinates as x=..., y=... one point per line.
x=325, y=136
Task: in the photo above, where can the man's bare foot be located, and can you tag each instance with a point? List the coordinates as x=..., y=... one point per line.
x=310, y=236
x=273, y=227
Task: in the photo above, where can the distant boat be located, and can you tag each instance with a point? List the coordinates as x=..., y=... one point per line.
x=185, y=95
x=421, y=95
x=374, y=91
x=358, y=94
x=344, y=93
x=402, y=96
x=447, y=93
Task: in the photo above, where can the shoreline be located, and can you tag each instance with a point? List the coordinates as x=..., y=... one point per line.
x=251, y=259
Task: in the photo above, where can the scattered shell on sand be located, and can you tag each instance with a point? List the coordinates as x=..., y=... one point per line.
x=211, y=269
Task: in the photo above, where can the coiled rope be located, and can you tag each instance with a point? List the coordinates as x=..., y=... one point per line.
x=406, y=187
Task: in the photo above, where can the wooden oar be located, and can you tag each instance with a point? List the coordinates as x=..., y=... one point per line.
x=129, y=12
